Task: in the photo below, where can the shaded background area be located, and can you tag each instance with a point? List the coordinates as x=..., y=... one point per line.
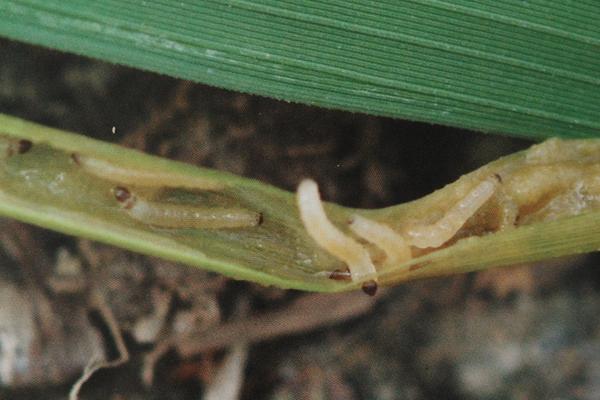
x=513, y=333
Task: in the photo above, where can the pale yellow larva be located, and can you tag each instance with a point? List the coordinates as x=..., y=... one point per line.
x=330, y=238
x=394, y=245
x=166, y=215
x=141, y=177
x=438, y=233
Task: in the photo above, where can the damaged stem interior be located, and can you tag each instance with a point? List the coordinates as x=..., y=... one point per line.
x=539, y=203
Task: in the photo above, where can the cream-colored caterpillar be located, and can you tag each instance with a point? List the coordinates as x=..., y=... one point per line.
x=165, y=215
x=162, y=214
x=445, y=228
x=329, y=237
x=396, y=246
x=139, y=177
x=554, y=179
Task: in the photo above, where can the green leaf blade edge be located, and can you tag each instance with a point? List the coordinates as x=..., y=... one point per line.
x=489, y=66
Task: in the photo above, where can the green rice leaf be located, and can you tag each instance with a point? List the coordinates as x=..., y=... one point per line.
x=523, y=68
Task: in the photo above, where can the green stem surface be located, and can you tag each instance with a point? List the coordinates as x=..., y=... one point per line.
x=45, y=187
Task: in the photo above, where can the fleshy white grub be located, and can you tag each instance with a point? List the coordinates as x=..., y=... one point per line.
x=328, y=236
x=443, y=230
x=138, y=177
x=165, y=215
x=392, y=243
x=396, y=246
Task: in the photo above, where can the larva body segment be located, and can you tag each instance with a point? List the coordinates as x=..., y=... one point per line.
x=509, y=210
x=178, y=216
x=396, y=246
x=392, y=243
x=328, y=236
x=165, y=215
x=151, y=179
x=437, y=234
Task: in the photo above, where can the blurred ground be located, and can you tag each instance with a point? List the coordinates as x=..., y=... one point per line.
x=519, y=333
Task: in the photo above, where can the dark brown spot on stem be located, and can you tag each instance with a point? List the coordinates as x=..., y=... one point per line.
x=498, y=177
x=261, y=219
x=369, y=287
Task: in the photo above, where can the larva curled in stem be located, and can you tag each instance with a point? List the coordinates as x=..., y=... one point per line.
x=392, y=243
x=328, y=236
x=166, y=215
x=437, y=234
x=139, y=177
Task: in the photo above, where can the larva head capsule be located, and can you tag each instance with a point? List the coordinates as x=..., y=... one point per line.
x=12, y=147
x=369, y=287
x=341, y=275
x=123, y=196
x=23, y=146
